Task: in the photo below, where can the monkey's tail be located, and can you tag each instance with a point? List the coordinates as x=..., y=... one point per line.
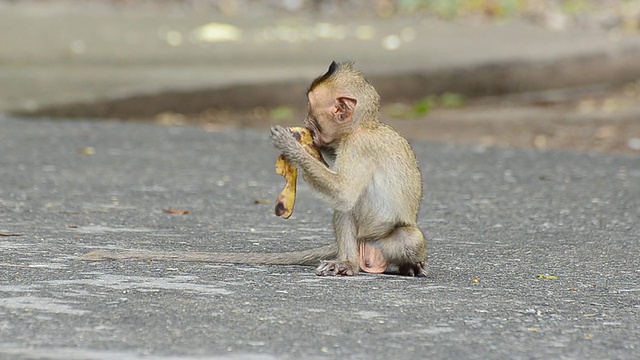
x=304, y=257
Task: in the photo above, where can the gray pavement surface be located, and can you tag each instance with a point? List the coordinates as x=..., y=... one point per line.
x=56, y=55
x=532, y=254
x=551, y=239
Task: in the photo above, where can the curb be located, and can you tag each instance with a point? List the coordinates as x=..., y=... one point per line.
x=596, y=69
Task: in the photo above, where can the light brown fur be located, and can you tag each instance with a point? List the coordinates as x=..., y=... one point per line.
x=374, y=183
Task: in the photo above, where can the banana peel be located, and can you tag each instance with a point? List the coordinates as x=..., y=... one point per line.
x=287, y=198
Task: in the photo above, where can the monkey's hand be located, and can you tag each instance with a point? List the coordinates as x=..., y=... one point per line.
x=287, y=197
x=284, y=140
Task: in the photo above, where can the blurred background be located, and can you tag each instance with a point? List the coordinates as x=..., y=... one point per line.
x=524, y=73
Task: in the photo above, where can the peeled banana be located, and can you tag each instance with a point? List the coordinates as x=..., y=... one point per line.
x=287, y=197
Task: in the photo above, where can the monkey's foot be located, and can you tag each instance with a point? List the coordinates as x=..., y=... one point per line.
x=336, y=268
x=417, y=270
x=371, y=259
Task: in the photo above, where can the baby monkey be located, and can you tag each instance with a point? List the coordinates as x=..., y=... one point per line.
x=373, y=184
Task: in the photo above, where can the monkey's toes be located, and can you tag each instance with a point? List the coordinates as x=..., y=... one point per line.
x=335, y=268
x=416, y=270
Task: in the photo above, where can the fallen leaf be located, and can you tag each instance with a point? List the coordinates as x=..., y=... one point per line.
x=547, y=277
x=475, y=280
x=87, y=150
x=176, y=211
x=7, y=234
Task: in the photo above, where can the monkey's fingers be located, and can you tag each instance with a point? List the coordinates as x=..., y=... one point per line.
x=287, y=197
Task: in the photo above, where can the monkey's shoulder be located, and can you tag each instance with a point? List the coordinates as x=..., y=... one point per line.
x=380, y=149
x=388, y=139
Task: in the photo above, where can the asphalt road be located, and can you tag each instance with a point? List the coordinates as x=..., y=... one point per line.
x=532, y=254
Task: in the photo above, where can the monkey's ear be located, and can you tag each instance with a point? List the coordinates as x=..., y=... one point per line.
x=343, y=108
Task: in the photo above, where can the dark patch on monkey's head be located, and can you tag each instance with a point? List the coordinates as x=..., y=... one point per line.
x=319, y=80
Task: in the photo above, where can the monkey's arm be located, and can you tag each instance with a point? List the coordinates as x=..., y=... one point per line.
x=337, y=186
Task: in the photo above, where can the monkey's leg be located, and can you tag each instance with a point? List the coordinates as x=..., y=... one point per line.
x=406, y=247
x=346, y=237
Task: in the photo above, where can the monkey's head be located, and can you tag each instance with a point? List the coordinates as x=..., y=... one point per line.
x=339, y=101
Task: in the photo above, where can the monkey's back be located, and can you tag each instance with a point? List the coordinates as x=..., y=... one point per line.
x=393, y=196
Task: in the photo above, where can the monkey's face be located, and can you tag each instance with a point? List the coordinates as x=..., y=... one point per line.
x=322, y=132
x=329, y=117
